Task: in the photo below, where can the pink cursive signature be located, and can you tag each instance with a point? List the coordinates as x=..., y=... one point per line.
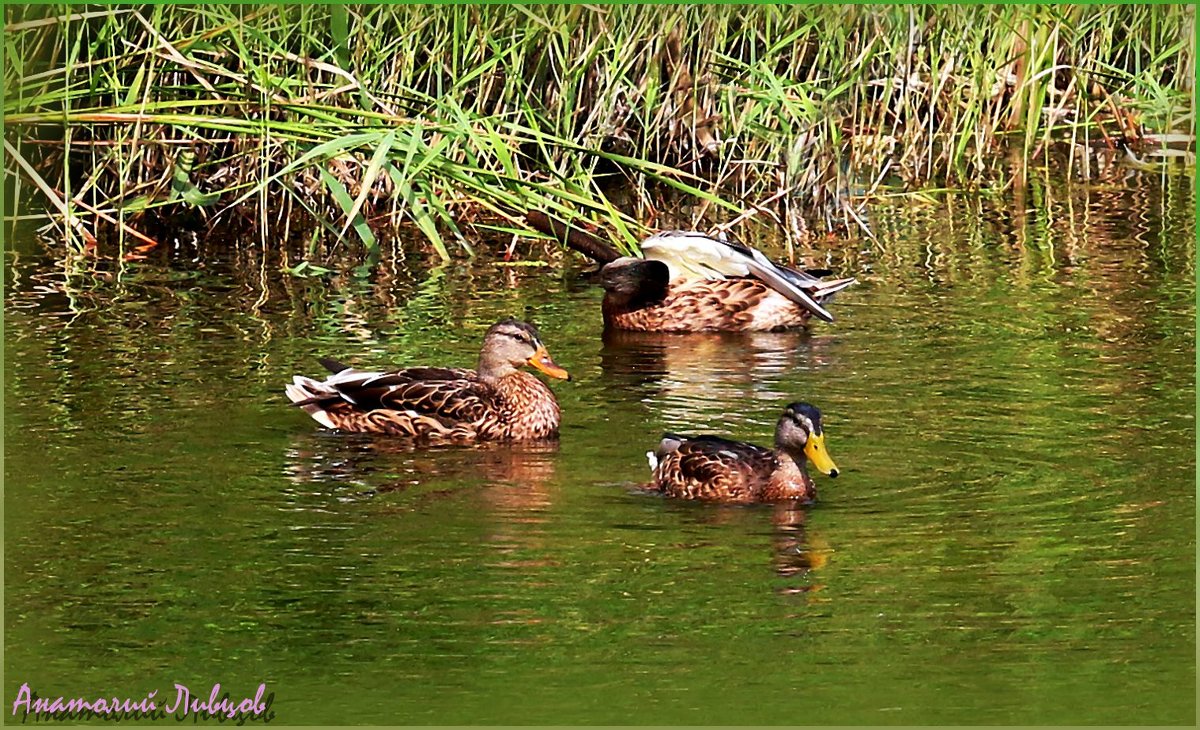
x=218, y=704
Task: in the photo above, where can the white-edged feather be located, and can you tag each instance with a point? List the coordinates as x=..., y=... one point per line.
x=299, y=390
x=826, y=289
x=692, y=255
x=350, y=375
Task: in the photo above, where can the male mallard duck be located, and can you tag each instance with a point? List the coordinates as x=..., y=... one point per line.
x=690, y=282
x=497, y=402
x=719, y=470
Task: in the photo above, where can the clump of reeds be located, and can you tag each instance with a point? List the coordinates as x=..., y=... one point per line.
x=120, y=120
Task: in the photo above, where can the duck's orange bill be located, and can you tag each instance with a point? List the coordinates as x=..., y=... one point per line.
x=814, y=449
x=542, y=361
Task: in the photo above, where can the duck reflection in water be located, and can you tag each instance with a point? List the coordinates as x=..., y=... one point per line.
x=797, y=553
x=510, y=488
x=354, y=467
x=680, y=377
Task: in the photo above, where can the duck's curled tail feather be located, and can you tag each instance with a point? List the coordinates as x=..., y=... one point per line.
x=309, y=394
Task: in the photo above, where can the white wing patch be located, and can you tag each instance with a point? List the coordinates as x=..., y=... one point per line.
x=691, y=255
x=302, y=389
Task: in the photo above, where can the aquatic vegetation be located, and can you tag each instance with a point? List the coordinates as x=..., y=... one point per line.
x=125, y=124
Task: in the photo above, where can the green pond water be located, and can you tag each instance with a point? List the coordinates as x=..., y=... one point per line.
x=1009, y=393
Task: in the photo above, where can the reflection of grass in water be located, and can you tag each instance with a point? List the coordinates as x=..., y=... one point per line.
x=1008, y=541
x=449, y=116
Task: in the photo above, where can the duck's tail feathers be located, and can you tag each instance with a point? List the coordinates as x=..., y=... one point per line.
x=807, y=284
x=308, y=394
x=826, y=289
x=670, y=444
x=333, y=366
x=775, y=277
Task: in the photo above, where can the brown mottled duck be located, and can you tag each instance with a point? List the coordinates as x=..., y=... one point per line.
x=690, y=282
x=496, y=402
x=715, y=469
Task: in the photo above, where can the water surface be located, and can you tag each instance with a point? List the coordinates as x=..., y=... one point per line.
x=1009, y=394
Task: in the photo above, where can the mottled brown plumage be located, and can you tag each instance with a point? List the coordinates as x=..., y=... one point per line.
x=692, y=282
x=715, y=469
x=707, y=305
x=641, y=296
x=497, y=402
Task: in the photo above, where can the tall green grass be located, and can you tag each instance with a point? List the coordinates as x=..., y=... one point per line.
x=454, y=119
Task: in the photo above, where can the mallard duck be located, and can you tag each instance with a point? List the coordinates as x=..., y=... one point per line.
x=715, y=469
x=692, y=282
x=496, y=402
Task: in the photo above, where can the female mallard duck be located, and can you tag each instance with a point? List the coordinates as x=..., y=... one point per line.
x=691, y=282
x=719, y=470
x=497, y=402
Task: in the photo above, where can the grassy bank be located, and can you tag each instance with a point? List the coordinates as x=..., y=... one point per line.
x=121, y=122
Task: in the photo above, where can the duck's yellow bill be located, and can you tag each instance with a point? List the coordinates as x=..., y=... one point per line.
x=814, y=449
x=542, y=361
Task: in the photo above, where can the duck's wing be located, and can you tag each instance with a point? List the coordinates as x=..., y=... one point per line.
x=712, y=458
x=820, y=289
x=695, y=255
x=450, y=394
x=710, y=467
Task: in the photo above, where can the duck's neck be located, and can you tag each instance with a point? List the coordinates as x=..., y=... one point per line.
x=529, y=403
x=790, y=479
x=612, y=306
x=615, y=305
x=618, y=303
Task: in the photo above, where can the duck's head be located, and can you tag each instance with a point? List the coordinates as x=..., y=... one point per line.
x=511, y=344
x=633, y=283
x=800, y=433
